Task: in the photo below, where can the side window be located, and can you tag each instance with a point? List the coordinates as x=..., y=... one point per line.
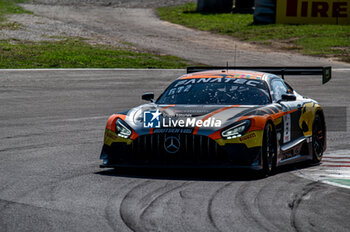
x=278, y=88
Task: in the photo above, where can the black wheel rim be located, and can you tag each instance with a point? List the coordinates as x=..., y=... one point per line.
x=318, y=138
x=270, y=149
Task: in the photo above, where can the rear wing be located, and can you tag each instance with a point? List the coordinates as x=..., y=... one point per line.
x=325, y=72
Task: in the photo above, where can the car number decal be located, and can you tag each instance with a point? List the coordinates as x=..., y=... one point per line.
x=287, y=128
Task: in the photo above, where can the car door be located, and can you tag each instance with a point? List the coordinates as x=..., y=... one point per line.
x=290, y=130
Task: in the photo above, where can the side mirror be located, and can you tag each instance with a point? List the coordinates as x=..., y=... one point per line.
x=149, y=96
x=288, y=97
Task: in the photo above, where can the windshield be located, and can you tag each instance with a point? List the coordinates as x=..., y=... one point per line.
x=222, y=91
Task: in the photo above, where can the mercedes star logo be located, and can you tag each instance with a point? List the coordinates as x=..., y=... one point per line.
x=172, y=144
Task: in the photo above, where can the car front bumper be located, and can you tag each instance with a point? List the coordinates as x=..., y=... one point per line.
x=195, y=152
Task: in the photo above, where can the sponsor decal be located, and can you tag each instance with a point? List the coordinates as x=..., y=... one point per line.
x=173, y=131
x=155, y=119
x=185, y=85
x=253, y=135
x=313, y=11
x=112, y=136
x=287, y=155
x=309, y=140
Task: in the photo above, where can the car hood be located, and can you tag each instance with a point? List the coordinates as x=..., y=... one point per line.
x=225, y=114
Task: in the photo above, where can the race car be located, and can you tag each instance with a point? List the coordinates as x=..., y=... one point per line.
x=222, y=117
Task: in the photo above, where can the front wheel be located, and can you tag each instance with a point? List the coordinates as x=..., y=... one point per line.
x=269, y=154
x=318, y=139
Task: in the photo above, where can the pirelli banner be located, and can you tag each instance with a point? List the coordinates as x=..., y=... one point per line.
x=313, y=11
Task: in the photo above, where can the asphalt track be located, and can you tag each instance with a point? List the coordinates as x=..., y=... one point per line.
x=51, y=133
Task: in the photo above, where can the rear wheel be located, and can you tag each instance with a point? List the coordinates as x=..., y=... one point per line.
x=269, y=156
x=318, y=139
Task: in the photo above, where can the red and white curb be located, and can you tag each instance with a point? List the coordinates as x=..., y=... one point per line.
x=341, y=160
x=334, y=166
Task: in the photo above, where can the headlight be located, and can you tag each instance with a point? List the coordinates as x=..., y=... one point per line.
x=122, y=129
x=237, y=130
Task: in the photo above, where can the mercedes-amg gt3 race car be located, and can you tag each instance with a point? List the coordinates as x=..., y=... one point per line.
x=221, y=117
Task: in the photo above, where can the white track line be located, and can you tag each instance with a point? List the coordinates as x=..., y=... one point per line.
x=340, y=69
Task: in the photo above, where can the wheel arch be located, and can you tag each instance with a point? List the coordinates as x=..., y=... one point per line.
x=269, y=121
x=319, y=111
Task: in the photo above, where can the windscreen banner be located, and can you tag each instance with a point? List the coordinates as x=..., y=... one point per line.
x=313, y=11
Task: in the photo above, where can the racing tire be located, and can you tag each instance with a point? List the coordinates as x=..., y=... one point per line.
x=269, y=151
x=318, y=137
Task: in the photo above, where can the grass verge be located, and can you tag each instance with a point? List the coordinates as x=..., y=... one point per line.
x=77, y=53
x=317, y=40
x=9, y=7
x=71, y=52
